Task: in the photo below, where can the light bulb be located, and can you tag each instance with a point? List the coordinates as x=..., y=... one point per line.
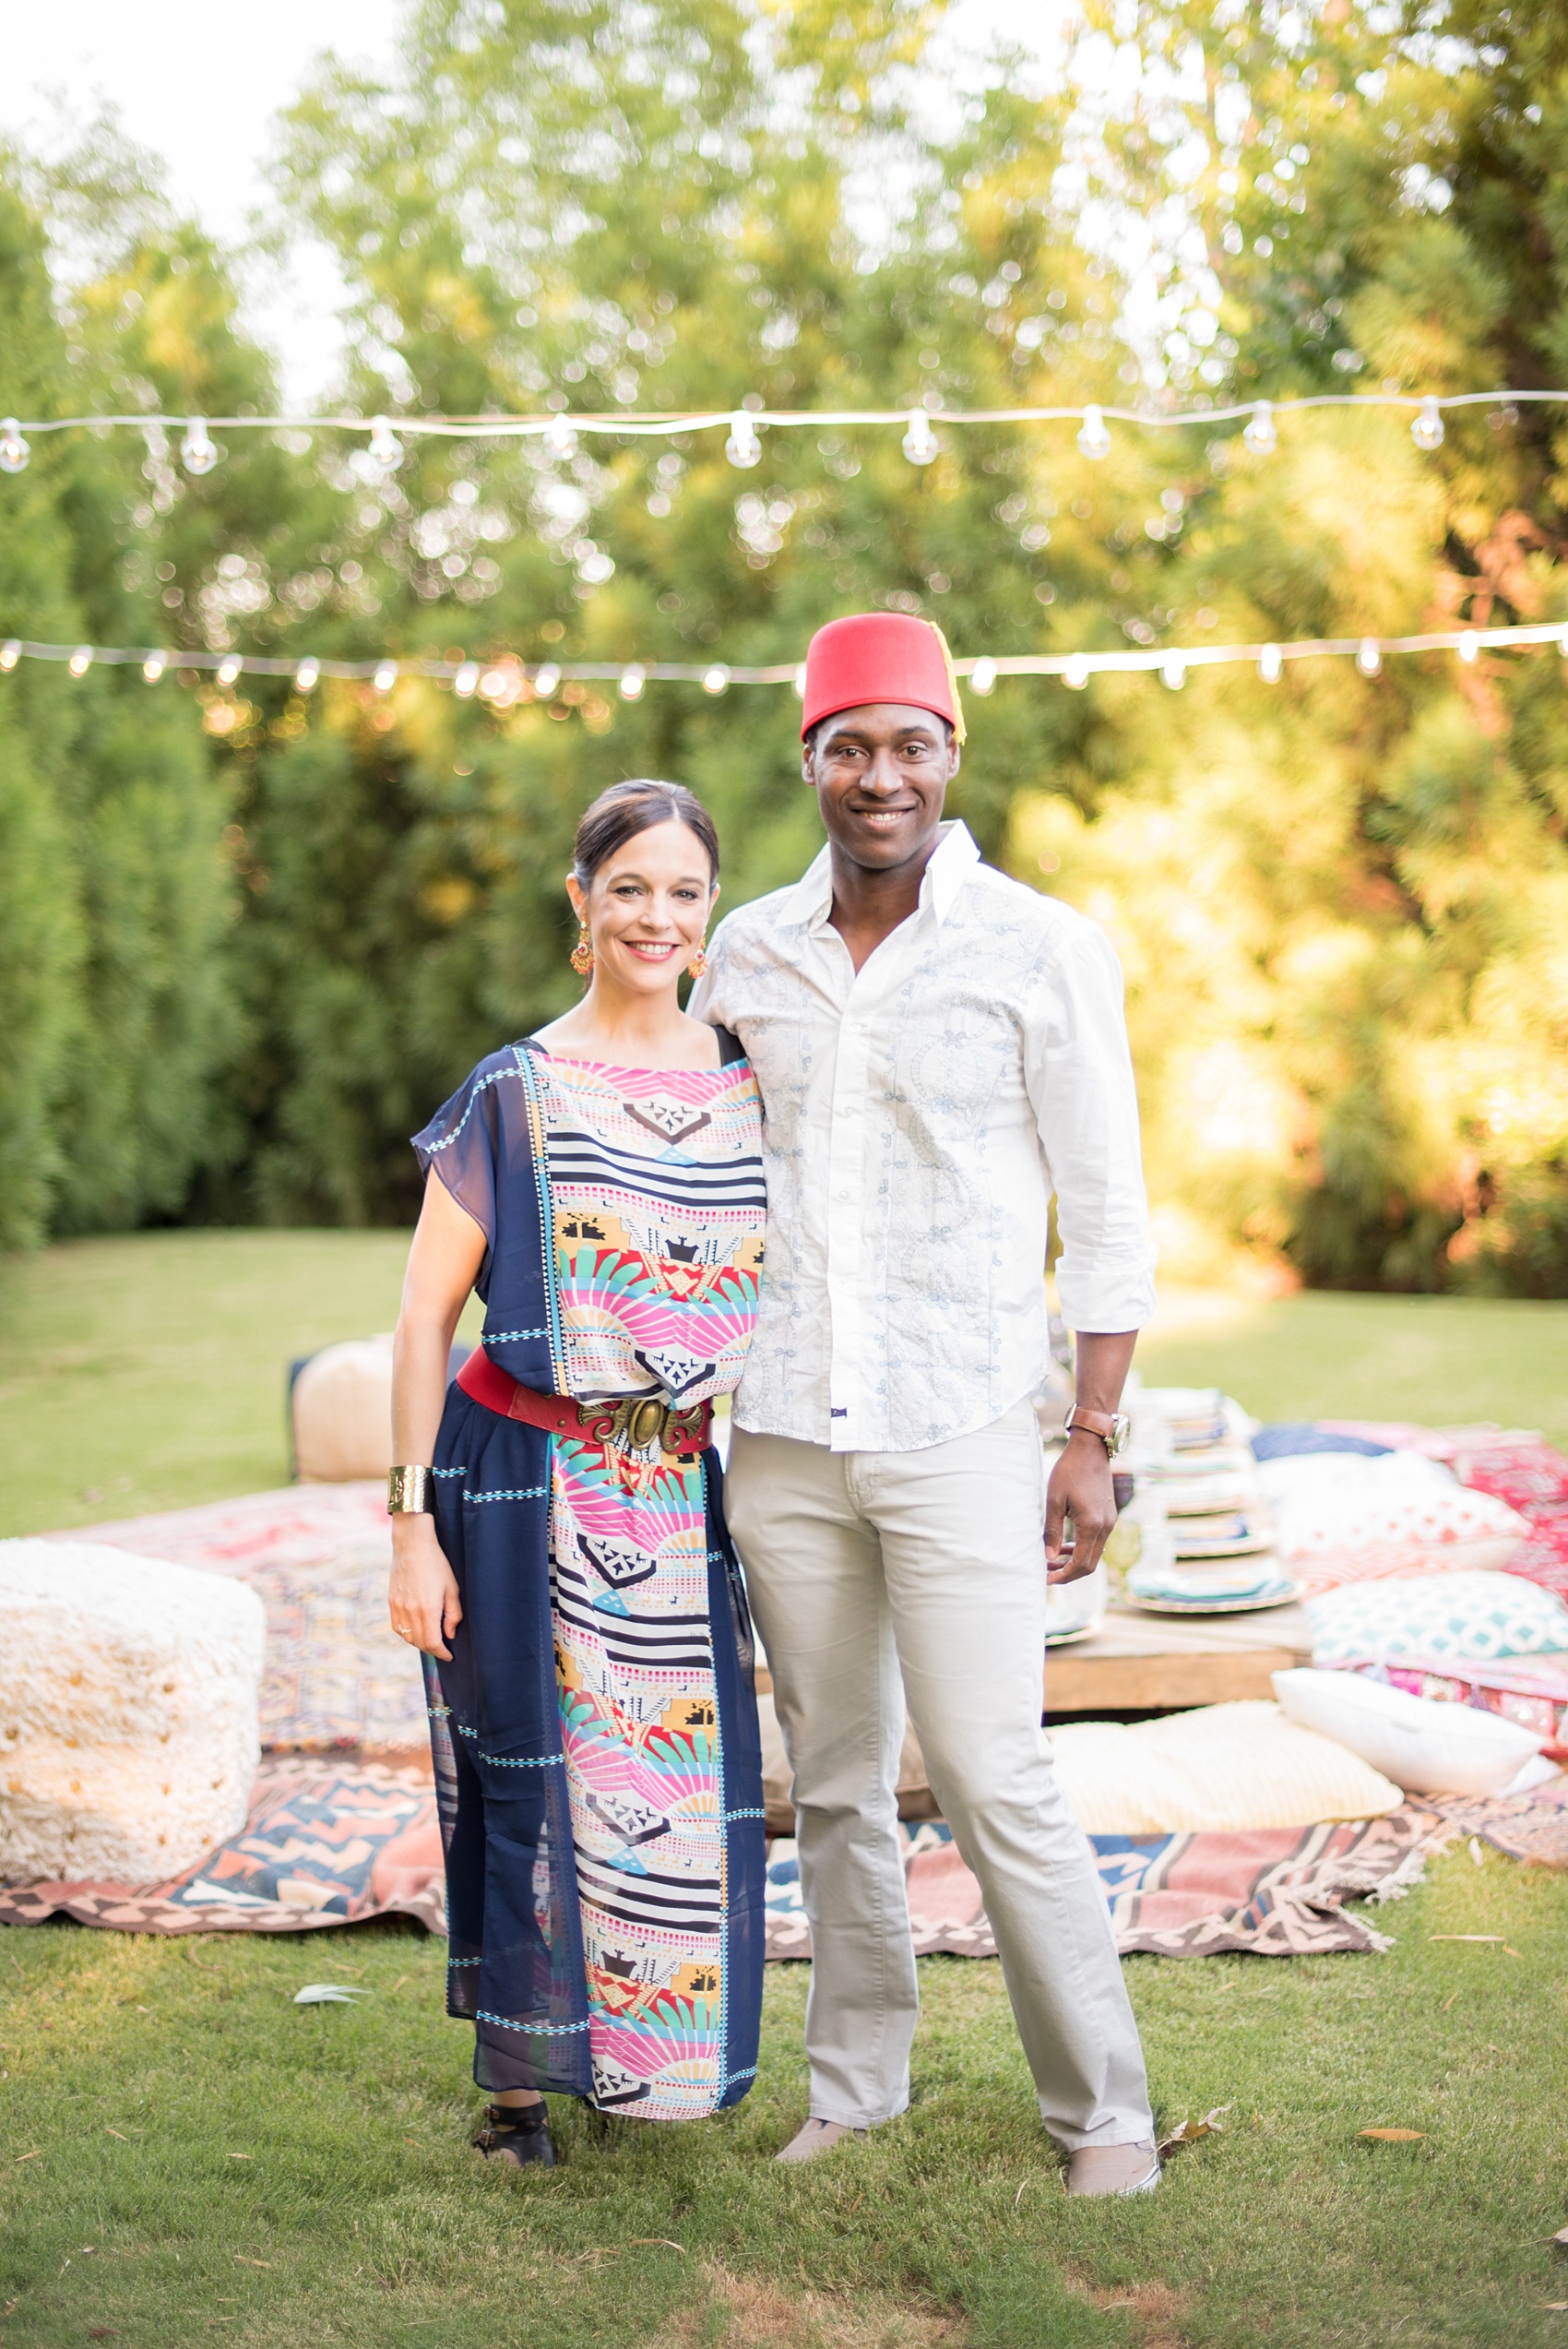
x=1368, y=656
x=716, y=680
x=1173, y=671
x=1271, y=664
x=13, y=450
x=81, y=661
x=920, y=441
x=1260, y=435
x=198, y=453
x=800, y=681
x=152, y=668
x=1077, y=673
x=546, y=680
x=631, y=682
x=305, y=676
x=742, y=448
x=492, y=684
x=466, y=679
x=1427, y=430
x=11, y=652
x=562, y=438
x=1469, y=645
x=1094, y=439
x=386, y=449
x=984, y=675
x=229, y=668
x=386, y=676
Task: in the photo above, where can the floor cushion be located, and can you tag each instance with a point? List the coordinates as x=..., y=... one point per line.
x=1427, y=1749
x=342, y=1407
x=1224, y=1768
x=128, y=1713
x=1481, y=1617
x=1340, y=1517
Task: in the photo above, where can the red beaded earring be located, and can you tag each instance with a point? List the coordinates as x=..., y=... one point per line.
x=582, y=953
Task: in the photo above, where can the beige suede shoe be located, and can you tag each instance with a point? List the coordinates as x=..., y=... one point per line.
x=815, y=2136
x=1114, y=2169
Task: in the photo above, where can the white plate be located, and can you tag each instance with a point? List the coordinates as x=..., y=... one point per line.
x=1278, y=1595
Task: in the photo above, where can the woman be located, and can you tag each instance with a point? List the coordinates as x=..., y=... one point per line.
x=559, y=1556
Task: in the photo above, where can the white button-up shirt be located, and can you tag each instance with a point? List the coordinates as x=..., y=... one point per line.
x=917, y=1115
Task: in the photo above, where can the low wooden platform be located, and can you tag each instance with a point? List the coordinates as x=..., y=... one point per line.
x=1145, y=1662
x=1167, y=1663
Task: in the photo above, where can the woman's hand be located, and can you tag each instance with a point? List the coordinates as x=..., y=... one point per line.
x=423, y=1596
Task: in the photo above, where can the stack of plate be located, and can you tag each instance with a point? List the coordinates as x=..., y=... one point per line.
x=1220, y=1586
x=1216, y=1555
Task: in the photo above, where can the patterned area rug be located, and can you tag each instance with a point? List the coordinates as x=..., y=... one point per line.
x=317, y=1555
x=1279, y=1893
x=326, y=1846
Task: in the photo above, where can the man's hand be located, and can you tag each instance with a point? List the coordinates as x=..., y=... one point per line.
x=1080, y=1488
x=423, y=1598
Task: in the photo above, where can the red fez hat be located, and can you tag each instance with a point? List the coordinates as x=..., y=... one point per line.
x=880, y=656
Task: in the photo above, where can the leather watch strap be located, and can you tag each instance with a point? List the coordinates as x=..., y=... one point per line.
x=1094, y=1423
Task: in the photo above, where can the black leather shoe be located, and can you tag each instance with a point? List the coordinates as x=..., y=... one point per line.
x=517, y=2134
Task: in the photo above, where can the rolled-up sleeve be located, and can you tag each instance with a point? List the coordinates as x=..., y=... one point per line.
x=1079, y=1072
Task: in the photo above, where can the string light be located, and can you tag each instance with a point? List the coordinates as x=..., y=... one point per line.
x=1427, y=430
x=742, y=448
x=560, y=431
x=508, y=680
x=386, y=449
x=1094, y=439
x=920, y=441
x=198, y=453
x=1260, y=435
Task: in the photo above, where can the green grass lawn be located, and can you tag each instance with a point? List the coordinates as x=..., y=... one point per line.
x=184, y=2154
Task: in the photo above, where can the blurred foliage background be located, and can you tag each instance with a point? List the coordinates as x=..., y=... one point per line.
x=248, y=937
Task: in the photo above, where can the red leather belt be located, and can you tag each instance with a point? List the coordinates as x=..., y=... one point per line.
x=641, y=1420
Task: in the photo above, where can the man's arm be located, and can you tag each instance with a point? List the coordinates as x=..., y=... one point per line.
x=1079, y=1075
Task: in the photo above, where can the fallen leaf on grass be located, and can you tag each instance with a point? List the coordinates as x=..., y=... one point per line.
x=1395, y=2136
x=323, y=1994
x=1189, y=2132
x=239, y=2157
x=1448, y=2003
x=114, y=2132
x=101, y=2333
x=1019, y=2196
x=1554, y=2304
x=28, y=2157
x=654, y=2243
x=398, y=1983
x=1477, y=1853
x=241, y=2261
x=1562, y=2235
x=1465, y=1936
x=1509, y=1952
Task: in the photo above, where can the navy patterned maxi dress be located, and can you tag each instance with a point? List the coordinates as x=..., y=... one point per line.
x=596, y=1755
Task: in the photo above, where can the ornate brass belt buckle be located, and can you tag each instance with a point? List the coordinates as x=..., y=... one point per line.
x=641, y=1421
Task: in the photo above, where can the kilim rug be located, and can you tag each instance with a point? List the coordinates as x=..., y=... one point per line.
x=325, y=1847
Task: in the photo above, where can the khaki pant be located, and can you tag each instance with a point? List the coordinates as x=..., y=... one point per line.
x=879, y=1579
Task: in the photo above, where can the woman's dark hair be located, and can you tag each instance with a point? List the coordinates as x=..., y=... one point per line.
x=619, y=813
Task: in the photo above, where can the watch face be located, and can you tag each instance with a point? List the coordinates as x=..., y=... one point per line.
x=1120, y=1428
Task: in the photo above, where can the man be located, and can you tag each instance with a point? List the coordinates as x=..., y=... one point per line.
x=938, y=1050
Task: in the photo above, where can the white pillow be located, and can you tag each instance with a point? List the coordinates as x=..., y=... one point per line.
x=1426, y=1747
x=1481, y=1616
x=1224, y=1769
x=1396, y=1514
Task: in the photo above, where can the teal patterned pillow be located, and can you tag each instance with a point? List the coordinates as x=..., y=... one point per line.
x=1481, y=1616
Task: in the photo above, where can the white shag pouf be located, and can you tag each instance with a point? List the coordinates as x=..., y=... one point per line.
x=128, y=1713
x=343, y=1412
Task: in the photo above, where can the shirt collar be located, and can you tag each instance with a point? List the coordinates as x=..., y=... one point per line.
x=811, y=897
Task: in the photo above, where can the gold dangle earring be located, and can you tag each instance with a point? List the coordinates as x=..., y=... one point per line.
x=582, y=953
x=697, y=966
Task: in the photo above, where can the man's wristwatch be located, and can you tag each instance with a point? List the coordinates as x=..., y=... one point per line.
x=1111, y=1426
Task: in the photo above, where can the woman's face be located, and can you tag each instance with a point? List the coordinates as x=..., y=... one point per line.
x=648, y=907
